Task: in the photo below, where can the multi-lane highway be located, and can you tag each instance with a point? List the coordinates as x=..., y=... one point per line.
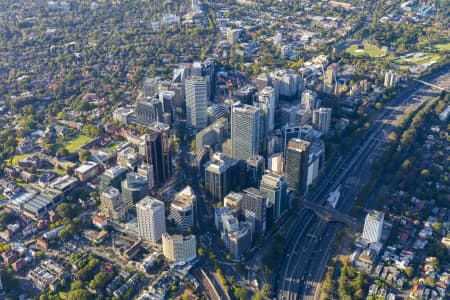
x=309, y=243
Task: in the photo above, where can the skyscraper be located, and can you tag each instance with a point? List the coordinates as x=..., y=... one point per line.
x=151, y=219
x=373, y=226
x=156, y=151
x=296, y=165
x=245, y=131
x=146, y=170
x=182, y=209
x=322, y=119
x=275, y=187
x=266, y=101
x=134, y=188
x=254, y=209
x=148, y=110
x=111, y=204
x=217, y=177
x=255, y=169
x=113, y=177
x=196, y=102
x=179, y=249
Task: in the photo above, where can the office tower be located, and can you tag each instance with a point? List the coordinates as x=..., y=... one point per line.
x=309, y=100
x=289, y=132
x=151, y=86
x=151, y=219
x=179, y=249
x=217, y=177
x=180, y=74
x=373, y=226
x=275, y=187
x=134, y=188
x=331, y=74
x=167, y=99
x=316, y=158
x=182, y=209
x=246, y=94
x=296, y=164
x=197, y=69
x=321, y=119
x=390, y=79
x=254, y=209
x=213, y=135
x=156, y=150
x=275, y=163
x=113, y=177
x=245, y=131
x=196, y=101
x=111, y=204
x=233, y=35
x=290, y=83
x=148, y=110
x=233, y=201
x=240, y=240
x=255, y=169
x=266, y=101
x=146, y=170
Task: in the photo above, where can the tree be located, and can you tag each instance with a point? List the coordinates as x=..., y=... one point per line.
x=266, y=290
x=409, y=271
x=66, y=210
x=78, y=294
x=437, y=226
x=240, y=293
x=83, y=155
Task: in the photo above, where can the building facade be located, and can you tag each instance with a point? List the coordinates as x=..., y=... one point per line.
x=196, y=101
x=296, y=164
x=245, y=131
x=179, y=249
x=151, y=219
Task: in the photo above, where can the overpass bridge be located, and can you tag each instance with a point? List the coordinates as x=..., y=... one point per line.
x=431, y=85
x=330, y=214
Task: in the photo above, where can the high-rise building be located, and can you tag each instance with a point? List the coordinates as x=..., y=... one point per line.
x=151, y=86
x=275, y=187
x=156, y=151
x=111, y=204
x=240, y=241
x=254, y=209
x=233, y=35
x=373, y=226
x=213, y=135
x=296, y=164
x=255, y=169
x=275, y=163
x=233, y=201
x=167, y=99
x=331, y=74
x=245, y=131
x=182, y=209
x=134, y=188
x=151, y=219
x=113, y=177
x=246, y=94
x=322, y=119
x=146, y=170
x=196, y=102
x=179, y=249
x=390, y=79
x=217, y=177
x=148, y=110
x=309, y=100
x=266, y=101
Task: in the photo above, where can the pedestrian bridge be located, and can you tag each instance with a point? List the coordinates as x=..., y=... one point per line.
x=330, y=214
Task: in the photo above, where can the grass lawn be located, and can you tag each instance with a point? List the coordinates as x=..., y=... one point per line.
x=77, y=143
x=367, y=50
x=443, y=47
x=16, y=158
x=421, y=60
